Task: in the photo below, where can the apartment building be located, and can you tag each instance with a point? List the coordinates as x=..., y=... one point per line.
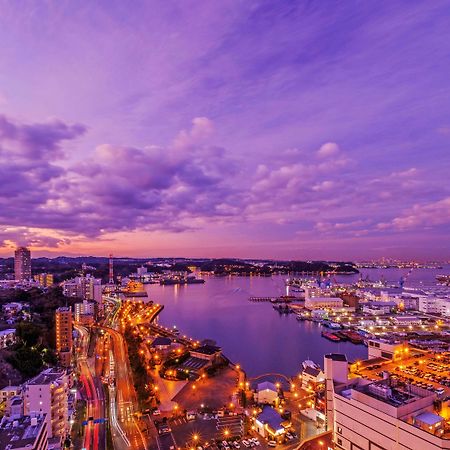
x=63, y=329
x=26, y=433
x=22, y=264
x=48, y=393
x=86, y=288
x=85, y=312
x=44, y=279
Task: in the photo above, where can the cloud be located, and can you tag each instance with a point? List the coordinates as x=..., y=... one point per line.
x=424, y=215
x=117, y=188
x=37, y=140
x=328, y=149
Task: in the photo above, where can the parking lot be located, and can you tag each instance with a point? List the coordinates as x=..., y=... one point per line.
x=424, y=371
x=224, y=433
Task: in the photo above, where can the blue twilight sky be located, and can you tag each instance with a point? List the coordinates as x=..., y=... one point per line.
x=300, y=129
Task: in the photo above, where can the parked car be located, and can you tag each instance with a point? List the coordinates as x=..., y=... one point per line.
x=272, y=444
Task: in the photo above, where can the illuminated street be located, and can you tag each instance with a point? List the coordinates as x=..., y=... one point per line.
x=94, y=433
x=124, y=405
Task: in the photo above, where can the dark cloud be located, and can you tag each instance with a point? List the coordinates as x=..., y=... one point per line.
x=118, y=188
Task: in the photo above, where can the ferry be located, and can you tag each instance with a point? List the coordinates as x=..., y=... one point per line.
x=332, y=325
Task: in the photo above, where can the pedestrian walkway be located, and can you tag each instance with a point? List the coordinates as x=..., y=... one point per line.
x=167, y=390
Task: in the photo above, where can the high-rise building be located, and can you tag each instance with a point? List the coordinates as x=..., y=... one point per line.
x=22, y=264
x=63, y=327
x=48, y=393
x=86, y=288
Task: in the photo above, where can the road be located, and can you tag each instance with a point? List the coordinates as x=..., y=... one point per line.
x=94, y=433
x=123, y=402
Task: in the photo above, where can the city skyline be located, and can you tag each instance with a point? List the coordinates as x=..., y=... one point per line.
x=250, y=130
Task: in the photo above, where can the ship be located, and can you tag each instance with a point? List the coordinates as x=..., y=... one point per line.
x=443, y=279
x=309, y=363
x=190, y=279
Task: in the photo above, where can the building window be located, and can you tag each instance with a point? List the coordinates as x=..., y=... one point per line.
x=339, y=430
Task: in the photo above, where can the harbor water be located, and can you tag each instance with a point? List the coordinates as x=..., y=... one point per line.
x=254, y=334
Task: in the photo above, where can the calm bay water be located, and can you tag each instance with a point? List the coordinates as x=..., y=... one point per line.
x=254, y=334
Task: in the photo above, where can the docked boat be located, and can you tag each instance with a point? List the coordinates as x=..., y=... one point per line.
x=353, y=336
x=443, y=279
x=330, y=336
x=309, y=363
x=282, y=308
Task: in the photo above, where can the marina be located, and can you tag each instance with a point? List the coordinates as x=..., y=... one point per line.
x=220, y=310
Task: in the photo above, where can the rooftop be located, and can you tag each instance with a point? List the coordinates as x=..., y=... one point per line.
x=8, y=331
x=429, y=418
x=381, y=390
x=271, y=417
x=160, y=340
x=20, y=433
x=336, y=357
x=312, y=371
x=267, y=385
x=207, y=349
x=48, y=376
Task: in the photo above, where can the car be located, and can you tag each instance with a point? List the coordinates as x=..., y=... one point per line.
x=246, y=443
x=156, y=412
x=236, y=444
x=256, y=441
x=272, y=444
x=225, y=443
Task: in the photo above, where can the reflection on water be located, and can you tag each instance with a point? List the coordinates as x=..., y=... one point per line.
x=254, y=334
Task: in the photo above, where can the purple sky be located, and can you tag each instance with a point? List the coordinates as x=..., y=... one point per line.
x=294, y=129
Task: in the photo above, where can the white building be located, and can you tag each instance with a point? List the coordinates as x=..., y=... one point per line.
x=47, y=393
x=378, y=348
x=380, y=415
x=270, y=425
x=406, y=320
x=434, y=305
x=87, y=288
x=266, y=394
x=7, y=337
x=323, y=302
x=84, y=308
x=311, y=377
x=8, y=392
